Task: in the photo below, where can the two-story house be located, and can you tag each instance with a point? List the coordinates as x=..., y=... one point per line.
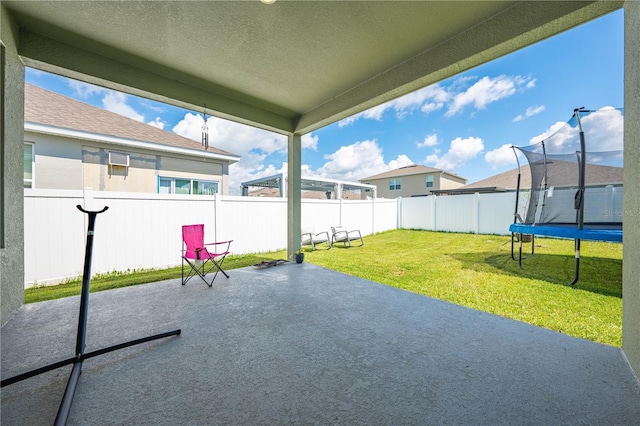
x=413, y=180
x=69, y=144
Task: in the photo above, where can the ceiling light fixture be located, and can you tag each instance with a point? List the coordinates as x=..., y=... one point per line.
x=268, y=1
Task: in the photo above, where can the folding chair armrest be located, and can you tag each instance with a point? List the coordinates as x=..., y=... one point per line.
x=217, y=243
x=355, y=230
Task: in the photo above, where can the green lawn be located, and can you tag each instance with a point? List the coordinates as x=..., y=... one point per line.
x=470, y=270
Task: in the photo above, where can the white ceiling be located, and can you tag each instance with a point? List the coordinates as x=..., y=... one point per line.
x=292, y=66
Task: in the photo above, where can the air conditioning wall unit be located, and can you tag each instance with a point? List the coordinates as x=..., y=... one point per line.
x=118, y=159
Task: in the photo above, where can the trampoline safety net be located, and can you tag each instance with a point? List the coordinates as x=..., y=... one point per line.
x=567, y=189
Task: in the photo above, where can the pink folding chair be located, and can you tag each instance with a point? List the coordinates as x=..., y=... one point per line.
x=201, y=260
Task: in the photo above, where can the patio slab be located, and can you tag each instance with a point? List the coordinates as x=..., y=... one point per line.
x=301, y=344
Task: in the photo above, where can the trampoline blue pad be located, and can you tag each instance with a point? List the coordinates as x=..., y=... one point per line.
x=613, y=234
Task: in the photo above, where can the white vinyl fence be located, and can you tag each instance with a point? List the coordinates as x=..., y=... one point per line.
x=472, y=213
x=141, y=231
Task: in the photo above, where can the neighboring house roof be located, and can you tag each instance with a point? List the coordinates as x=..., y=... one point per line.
x=565, y=174
x=413, y=169
x=57, y=112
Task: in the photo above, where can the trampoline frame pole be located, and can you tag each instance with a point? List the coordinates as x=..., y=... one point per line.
x=582, y=164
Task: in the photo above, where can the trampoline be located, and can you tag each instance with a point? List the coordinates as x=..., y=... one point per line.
x=574, y=193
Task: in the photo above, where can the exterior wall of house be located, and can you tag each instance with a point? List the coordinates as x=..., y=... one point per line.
x=58, y=162
x=63, y=163
x=451, y=182
x=412, y=185
x=12, y=169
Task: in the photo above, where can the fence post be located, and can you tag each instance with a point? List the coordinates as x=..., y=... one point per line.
x=373, y=216
x=476, y=209
x=435, y=220
x=87, y=198
x=216, y=214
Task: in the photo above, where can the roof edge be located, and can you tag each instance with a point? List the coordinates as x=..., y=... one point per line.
x=134, y=143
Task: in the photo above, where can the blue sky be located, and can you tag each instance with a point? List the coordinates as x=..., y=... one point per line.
x=464, y=124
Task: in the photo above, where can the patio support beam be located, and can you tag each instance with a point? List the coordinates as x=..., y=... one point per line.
x=294, y=194
x=11, y=169
x=631, y=239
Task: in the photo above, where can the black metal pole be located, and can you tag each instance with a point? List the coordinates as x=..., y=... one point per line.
x=80, y=356
x=86, y=280
x=579, y=201
x=515, y=213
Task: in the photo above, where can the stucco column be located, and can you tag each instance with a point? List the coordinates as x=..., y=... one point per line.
x=294, y=194
x=631, y=219
x=12, y=169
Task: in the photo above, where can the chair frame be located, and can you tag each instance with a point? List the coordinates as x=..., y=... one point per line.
x=313, y=239
x=341, y=235
x=199, y=266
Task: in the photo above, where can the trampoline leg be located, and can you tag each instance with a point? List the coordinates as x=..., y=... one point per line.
x=513, y=255
x=520, y=251
x=533, y=241
x=577, y=270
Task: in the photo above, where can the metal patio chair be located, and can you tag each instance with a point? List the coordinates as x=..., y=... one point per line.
x=341, y=235
x=308, y=237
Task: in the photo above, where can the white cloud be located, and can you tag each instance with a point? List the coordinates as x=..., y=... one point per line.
x=429, y=140
x=502, y=156
x=252, y=144
x=603, y=131
x=456, y=96
x=117, y=102
x=530, y=112
x=488, y=90
x=357, y=161
x=85, y=89
x=310, y=141
x=460, y=151
x=157, y=123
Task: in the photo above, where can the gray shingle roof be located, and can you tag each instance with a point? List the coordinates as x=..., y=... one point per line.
x=413, y=169
x=566, y=174
x=45, y=107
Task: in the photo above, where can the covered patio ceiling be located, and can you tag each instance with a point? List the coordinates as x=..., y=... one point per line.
x=289, y=67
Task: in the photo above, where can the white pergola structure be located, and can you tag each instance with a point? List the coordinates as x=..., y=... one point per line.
x=308, y=183
x=290, y=67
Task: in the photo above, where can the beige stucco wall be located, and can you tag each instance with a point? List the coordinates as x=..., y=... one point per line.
x=12, y=204
x=631, y=243
x=64, y=163
x=57, y=162
x=451, y=182
x=412, y=185
x=144, y=170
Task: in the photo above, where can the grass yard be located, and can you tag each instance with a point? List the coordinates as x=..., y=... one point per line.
x=465, y=269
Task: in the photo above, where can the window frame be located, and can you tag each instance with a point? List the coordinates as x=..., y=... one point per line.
x=32, y=180
x=172, y=185
x=395, y=184
x=429, y=181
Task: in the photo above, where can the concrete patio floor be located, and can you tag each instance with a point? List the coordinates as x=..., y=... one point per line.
x=300, y=344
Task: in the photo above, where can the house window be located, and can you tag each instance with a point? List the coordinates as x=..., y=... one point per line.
x=28, y=165
x=429, y=181
x=367, y=189
x=167, y=185
x=395, y=184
